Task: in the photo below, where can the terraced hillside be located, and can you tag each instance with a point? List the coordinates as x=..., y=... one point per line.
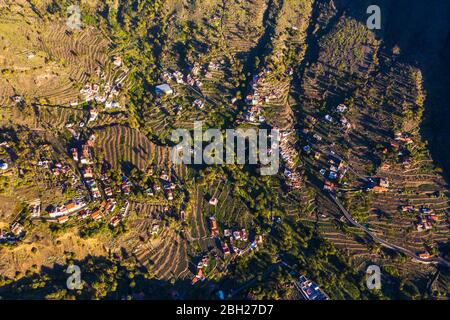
x=87, y=115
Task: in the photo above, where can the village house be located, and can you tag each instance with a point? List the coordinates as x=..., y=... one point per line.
x=86, y=157
x=163, y=90
x=3, y=165
x=115, y=221
x=183, y=215
x=17, y=228
x=198, y=276
x=108, y=192
x=74, y=206
x=96, y=215
x=198, y=103
x=425, y=255
x=382, y=186
x=83, y=214
x=88, y=173
x=58, y=211
x=169, y=195
x=62, y=219
x=111, y=205
x=74, y=152
x=329, y=186
x=404, y=137
x=341, y=108
x=36, y=211
x=178, y=77
x=93, y=114
x=225, y=249
x=117, y=61
x=214, y=230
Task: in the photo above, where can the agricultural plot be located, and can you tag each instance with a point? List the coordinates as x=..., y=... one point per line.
x=428, y=191
x=58, y=117
x=44, y=63
x=229, y=211
x=168, y=259
x=124, y=146
x=352, y=244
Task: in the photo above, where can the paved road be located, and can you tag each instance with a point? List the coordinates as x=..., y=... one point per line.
x=435, y=260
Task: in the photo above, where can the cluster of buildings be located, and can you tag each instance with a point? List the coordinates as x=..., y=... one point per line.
x=400, y=145
x=379, y=185
x=17, y=229
x=167, y=185
x=70, y=208
x=178, y=77
x=60, y=170
x=15, y=234
x=337, y=170
x=256, y=98
x=233, y=238
x=79, y=209
x=85, y=158
x=200, y=276
x=123, y=213
x=289, y=154
x=104, y=93
x=344, y=122
x=425, y=219
x=309, y=289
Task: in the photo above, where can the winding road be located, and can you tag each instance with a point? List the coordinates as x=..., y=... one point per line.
x=347, y=215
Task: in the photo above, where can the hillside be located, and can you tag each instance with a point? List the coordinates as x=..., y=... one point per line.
x=87, y=176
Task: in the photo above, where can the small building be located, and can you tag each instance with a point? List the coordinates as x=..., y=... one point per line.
x=93, y=114
x=163, y=90
x=183, y=215
x=214, y=230
x=88, y=173
x=115, y=221
x=96, y=215
x=62, y=219
x=425, y=255
x=225, y=249
x=329, y=186
x=108, y=192
x=3, y=166
x=243, y=235
x=36, y=211
x=117, y=61
x=383, y=186
x=58, y=212
x=384, y=183
x=259, y=239
x=214, y=201
x=74, y=152
x=341, y=108
x=17, y=228
x=83, y=214
x=155, y=229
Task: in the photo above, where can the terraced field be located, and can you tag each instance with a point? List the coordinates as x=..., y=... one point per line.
x=47, y=63
x=121, y=145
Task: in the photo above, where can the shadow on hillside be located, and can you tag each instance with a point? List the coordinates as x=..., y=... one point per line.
x=422, y=32
x=108, y=279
